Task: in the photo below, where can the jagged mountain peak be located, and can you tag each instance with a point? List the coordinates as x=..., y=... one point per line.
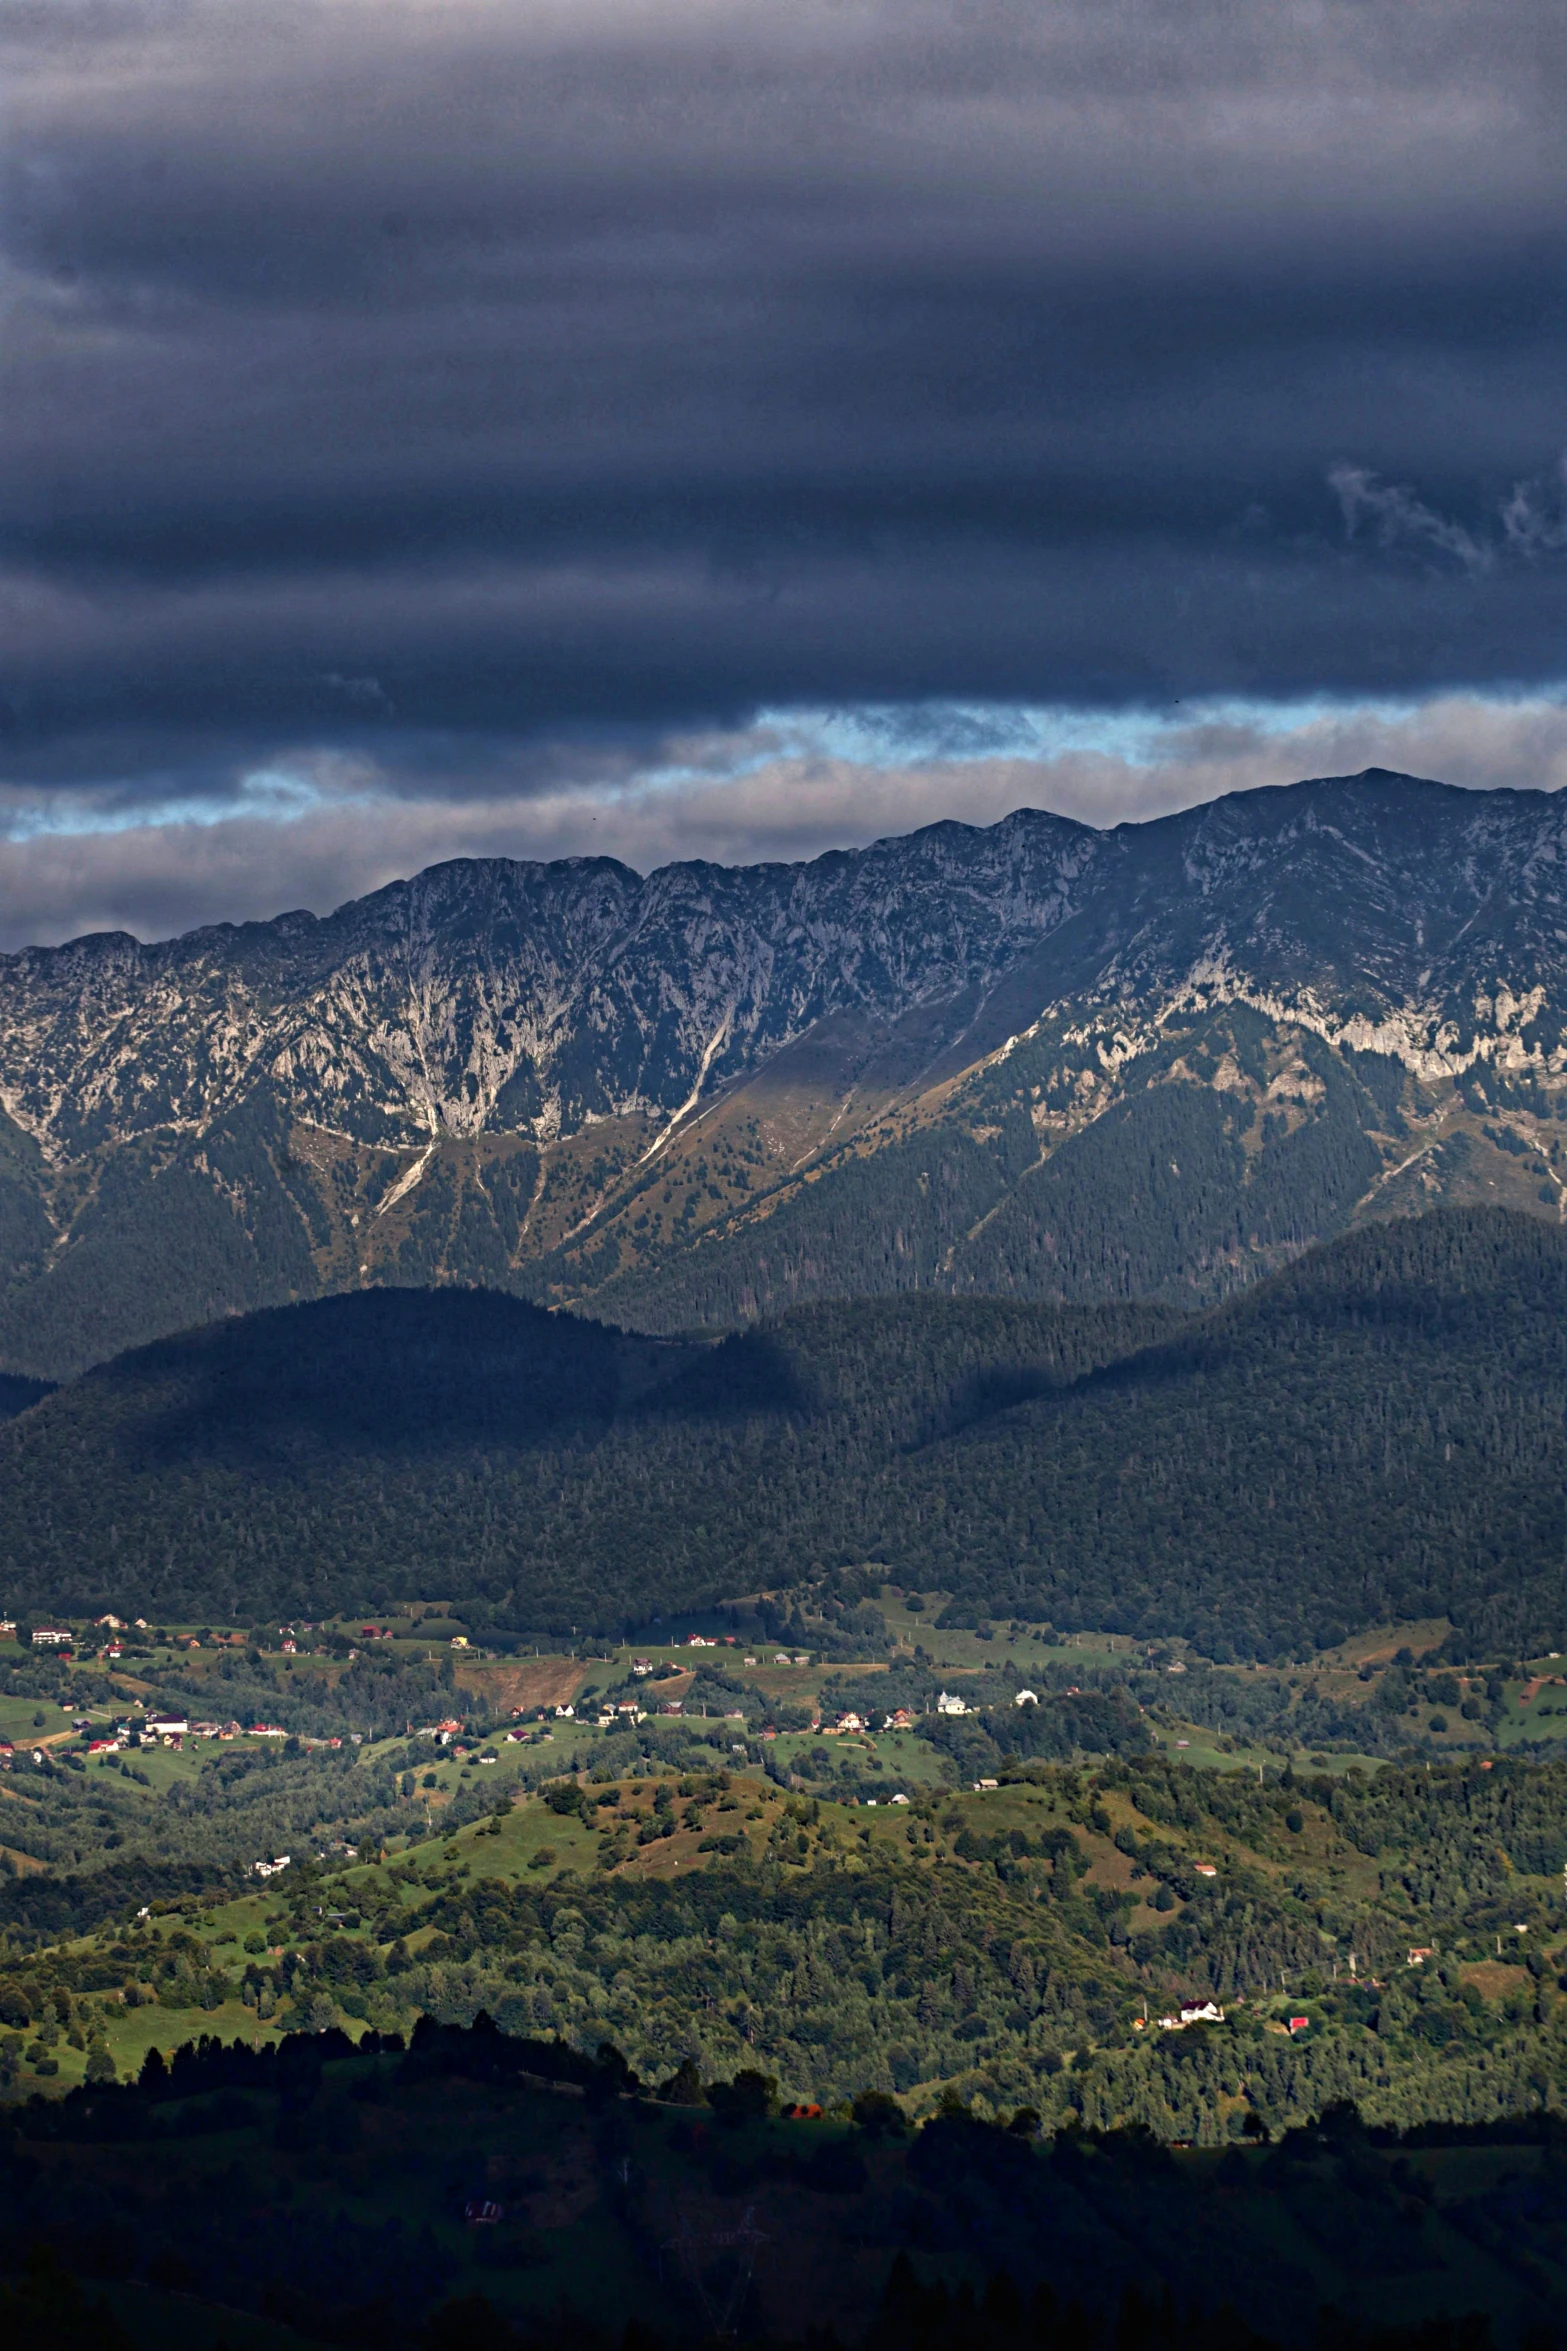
x=562, y=1073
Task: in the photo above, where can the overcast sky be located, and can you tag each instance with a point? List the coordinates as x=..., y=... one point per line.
x=688, y=427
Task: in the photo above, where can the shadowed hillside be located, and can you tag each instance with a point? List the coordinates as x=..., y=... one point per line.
x=1376, y=1432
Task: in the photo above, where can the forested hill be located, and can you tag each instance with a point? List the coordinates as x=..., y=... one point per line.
x=1379, y=1432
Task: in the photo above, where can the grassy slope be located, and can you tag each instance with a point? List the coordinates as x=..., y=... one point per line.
x=1370, y=1868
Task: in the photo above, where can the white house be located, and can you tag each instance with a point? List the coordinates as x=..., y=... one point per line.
x=947, y=1703
x=1192, y=2012
x=1026, y=1698
x=165, y=1726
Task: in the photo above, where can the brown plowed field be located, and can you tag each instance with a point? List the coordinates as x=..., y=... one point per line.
x=531, y=1683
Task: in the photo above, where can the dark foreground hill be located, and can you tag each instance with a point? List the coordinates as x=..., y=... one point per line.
x=1379, y=1432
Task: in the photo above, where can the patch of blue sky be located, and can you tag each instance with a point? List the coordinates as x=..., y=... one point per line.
x=281, y=794
x=890, y=736
x=928, y=734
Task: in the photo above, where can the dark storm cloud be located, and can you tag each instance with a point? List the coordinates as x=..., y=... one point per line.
x=492, y=388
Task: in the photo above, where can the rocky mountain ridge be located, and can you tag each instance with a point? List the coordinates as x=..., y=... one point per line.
x=492, y=994
x=695, y=1095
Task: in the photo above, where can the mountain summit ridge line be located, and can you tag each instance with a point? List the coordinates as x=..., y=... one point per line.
x=375, y=1011
x=1150, y=1061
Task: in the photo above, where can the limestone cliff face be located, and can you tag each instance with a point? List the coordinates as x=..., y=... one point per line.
x=490, y=995
x=470, y=1075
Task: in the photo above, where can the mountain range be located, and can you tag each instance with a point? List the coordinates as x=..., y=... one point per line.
x=1038, y=1060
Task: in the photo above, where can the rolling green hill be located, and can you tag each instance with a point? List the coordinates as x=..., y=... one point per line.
x=1361, y=2129
x=1375, y=1433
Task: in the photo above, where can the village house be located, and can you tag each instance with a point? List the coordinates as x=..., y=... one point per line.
x=948, y=1703
x=51, y=1636
x=165, y=1726
x=1026, y=1698
x=1192, y=2012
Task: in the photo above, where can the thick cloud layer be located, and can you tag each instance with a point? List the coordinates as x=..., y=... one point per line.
x=484, y=393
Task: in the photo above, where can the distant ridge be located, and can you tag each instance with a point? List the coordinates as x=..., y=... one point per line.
x=1033, y=1059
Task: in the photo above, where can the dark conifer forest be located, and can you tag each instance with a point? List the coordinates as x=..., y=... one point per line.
x=1375, y=1433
